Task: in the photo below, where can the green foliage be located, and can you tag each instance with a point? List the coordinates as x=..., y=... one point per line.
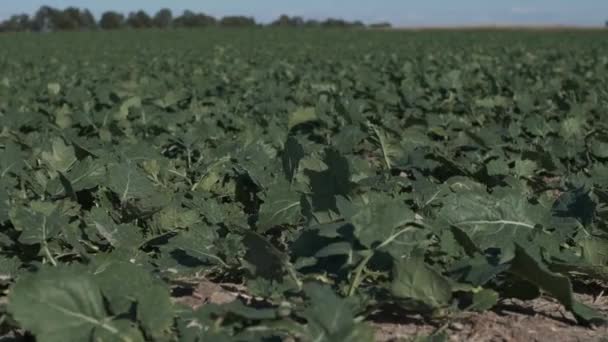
x=318, y=179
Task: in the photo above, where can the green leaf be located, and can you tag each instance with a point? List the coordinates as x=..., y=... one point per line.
x=281, y=206
x=381, y=220
x=387, y=147
x=85, y=174
x=11, y=160
x=414, y=280
x=128, y=182
x=61, y=157
x=121, y=236
x=300, y=116
x=492, y=222
x=575, y=203
x=198, y=243
x=529, y=266
x=331, y=318
x=36, y=227
x=4, y=206
x=173, y=217
x=293, y=152
x=53, y=88
x=133, y=102
x=332, y=181
x=62, y=304
x=599, y=149
x=137, y=285
x=484, y=300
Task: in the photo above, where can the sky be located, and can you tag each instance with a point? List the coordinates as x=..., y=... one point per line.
x=412, y=13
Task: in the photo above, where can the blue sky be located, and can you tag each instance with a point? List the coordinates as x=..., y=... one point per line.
x=399, y=12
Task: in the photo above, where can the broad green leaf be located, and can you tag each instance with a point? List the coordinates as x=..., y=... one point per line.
x=128, y=182
x=61, y=157
x=414, y=280
x=528, y=265
x=136, y=285
x=331, y=318
x=62, y=304
x=281, y=206
x=120, y=236
x=172, y=217
x=85, y=174
x=382, y=220
x=332, y=181
x=492, y=222
x=195, y=243
x=38, y=228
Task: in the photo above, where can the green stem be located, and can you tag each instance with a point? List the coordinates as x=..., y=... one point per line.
x=48, y=254
x=358, y=273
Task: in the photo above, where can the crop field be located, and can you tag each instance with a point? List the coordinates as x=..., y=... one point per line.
x=304, y=185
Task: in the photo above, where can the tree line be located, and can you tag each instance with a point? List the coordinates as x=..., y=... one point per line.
x=75, y=19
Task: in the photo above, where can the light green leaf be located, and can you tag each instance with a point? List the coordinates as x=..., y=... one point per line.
x=381, y=221
x=414, y=280
x=492, y=222
x=128, y=182
x=61, y=157
x=484, y=300
x=53, y=88
x=133, y=102
x=300, y=116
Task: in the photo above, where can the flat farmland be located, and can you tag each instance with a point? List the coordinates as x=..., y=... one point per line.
x=304, y=185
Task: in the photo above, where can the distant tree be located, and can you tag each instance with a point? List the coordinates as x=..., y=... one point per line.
x=43, y=19
x=163, y=18
x=237, y=21
x=341, y=23
x=139, y=19
x=111, y=20
x=312, y=23
x=72, y=18
x=381, y=25
x=191, y=19
x=283, y=20
x=52, y=19
x=16, y=23
x=287, y=21
x=87, y=20
x=606, y=23
x=333, y=23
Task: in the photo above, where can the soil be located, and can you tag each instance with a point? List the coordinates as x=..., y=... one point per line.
x=542, y=319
